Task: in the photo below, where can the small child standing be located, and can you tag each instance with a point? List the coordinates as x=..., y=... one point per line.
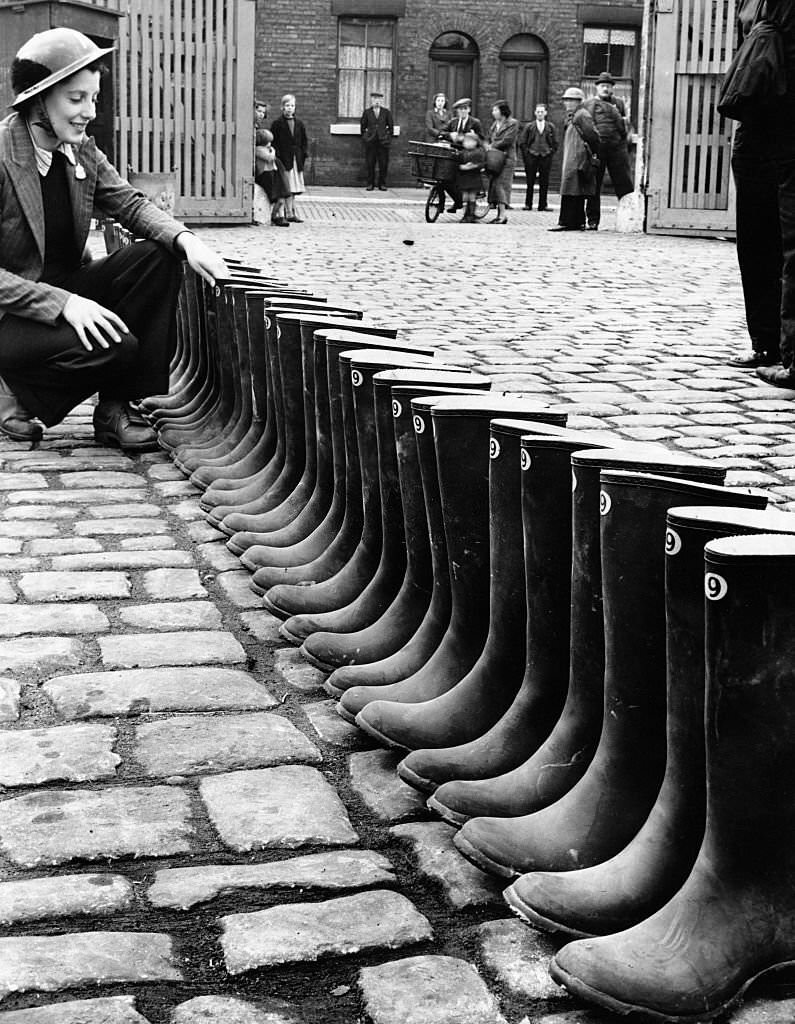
x=270, y=176
x=471, y=160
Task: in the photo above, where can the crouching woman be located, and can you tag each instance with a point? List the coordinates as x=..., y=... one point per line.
x=69, y=328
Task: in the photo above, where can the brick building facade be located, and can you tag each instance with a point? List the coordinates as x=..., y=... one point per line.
x=331, y=53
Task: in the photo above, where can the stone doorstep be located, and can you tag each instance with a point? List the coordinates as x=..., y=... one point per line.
x=305, y=932
x=183, y=888
x=49, y=963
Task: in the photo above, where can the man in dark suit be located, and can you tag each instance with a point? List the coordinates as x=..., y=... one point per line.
x=455, y=130
x=609, y=117
x=537, y=143
x=377, y=129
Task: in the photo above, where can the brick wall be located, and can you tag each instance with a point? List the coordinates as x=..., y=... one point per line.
x=296, y=52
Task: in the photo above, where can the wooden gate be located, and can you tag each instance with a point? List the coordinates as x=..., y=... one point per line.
x=690, y=189
x=185, y=87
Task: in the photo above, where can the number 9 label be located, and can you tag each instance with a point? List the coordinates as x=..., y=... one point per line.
x=524, y=460
x=419, y=425
x=605, y=503
x=715, y=586
x=356, y=378
x=397, y=408
x=673, y=542
x=494, y=448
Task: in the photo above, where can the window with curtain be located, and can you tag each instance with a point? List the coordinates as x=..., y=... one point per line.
x=605, y=48
x=366, y=59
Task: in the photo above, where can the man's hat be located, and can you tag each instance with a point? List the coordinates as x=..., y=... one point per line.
x=573, y=93
x=605, y=78
x=464, y=102
x=374, y=95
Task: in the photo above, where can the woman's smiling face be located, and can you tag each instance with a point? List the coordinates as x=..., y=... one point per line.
x=71, y=105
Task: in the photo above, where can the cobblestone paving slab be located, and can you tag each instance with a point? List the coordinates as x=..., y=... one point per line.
x=759, y=1011
x=19, y=620
x=153, y=543
x=28, y=527
x=7, y=593
x=463, y=884
x=63, y=546
x=67, y=753
x=116, y=1010
x=140, y=650
x=41, y=653
x=217, y=555
x=236, y=587
x=195, y=744
x=301, y=932
x=56, y=826
x=173, y=584
x=63, y=896
x=276, y=808
x=519, y=957
x=291, y=668
x=119, y=527
x=48, y=963
x=71, y=586
x=427, y=990
x=202, y=533
x=171, y=615
x=97, y=478
x=10, y=690
x=189, y=510
x=141, y=691
x=374, y=778
x=124, y=560
x=84, y=497
x=183, y=888
x=333, y=729
x=226, y=1010
x=14, y=481
x=263, y=626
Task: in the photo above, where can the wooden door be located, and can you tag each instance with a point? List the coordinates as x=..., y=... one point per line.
x=523, y=84
x=454, y=78
x=690, y=187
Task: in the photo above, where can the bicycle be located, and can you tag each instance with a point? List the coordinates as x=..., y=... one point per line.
x=435, y=164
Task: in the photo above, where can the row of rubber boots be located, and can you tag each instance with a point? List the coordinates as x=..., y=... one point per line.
x=584, y=645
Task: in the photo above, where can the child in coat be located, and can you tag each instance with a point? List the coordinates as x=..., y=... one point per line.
x=471, y=161
x=270, y=176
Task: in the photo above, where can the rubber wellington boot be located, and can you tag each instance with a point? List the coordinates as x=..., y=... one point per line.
x=734, y=918
x=485, y=693
x=631, y=886
x=250, y=497
x=401, y=618
x=346, y=592
x=541, y=611
x=526, y=780
x=251, y=521
x=413, y=423
x=605, y=810
x=331, y=544
x=461, y=437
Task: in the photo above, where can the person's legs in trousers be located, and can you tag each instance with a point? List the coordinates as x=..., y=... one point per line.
x=786, y=203
x=369, y=163
x=616, y=159
x=530, y=167
x=383, y=165
x=759, y=249
x=572, y=213
x=593, y=204
x=544, y=167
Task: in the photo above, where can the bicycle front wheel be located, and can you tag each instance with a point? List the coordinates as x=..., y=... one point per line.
x=434, y=204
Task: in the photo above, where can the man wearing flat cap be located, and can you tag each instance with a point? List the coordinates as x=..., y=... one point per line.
x=377, y=130
x=456, y=128
x=609, y=117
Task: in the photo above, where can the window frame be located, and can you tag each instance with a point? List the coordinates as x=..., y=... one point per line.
x=363, y=20
x=588, y=82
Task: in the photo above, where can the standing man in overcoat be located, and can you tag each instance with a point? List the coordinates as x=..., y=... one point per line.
x=377, y=129
x=609, y=118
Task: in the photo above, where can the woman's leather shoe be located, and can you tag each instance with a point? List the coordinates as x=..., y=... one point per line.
x=15, y=420
x=778, y=376
x=112, y=427
x=750, y=360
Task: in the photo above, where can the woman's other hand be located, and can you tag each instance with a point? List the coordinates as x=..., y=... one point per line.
x=93, y=323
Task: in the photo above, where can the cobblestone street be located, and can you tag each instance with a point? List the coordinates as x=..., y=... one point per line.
x=171, y=771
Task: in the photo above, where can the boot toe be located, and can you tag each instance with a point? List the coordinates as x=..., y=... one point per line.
x=326, y=649
x=299, y=627
x=549, y=901
x=489, y=844
x=382, y=719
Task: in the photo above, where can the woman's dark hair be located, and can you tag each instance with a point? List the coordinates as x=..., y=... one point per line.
x=503, y=108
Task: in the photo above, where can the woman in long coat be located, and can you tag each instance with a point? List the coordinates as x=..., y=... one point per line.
x=578, y=174
x=291, y=145
x=502, y=136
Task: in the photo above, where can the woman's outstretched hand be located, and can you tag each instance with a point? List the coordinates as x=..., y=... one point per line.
x=204, y=260
x=93, y=323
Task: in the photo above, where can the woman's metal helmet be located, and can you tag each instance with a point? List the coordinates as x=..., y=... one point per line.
x=48, y=58
x=573, y=93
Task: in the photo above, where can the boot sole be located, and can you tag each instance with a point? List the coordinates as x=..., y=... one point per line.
x=110, y=440
x=274, y=609
x=345, y=714
x=12, y=435
x=591, y=995
x=446, y=814
x=296, y=641
x=480, y=860
x=334, y=691
x=538, y=921
x=322, y=665
x=385, y=741
x=416, y=781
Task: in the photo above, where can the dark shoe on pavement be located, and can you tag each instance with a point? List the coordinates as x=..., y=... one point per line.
x=592, y=226
x=543, y=209
x=383, y=188
x=370, y=188
x=527, y=208
x=112, y=427
x=778, y=376
x=295, y=220
x=560, y=227
x=15, y=420
x=750, y=360
x=454, y=208
x=280, y=222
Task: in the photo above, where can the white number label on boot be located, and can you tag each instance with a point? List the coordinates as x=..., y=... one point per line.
x=715, y=587
x=673, y=542
x=356, y=378
x=573, y=481
x=278, y=332
x=268, y=322
x=494, y=448
x=605, y=504
x=524, y=460
x=419, y=425
x=397, y=408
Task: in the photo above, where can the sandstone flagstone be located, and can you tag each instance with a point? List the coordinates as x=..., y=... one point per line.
x=276, y=808
x=15, y=481
x=172, y=584
x=157, y=542
x=195, y=744
x=227, y=1010
x=56, y=826
x=141, y=691
x=119, y=527
x=519, y=957
x=66, y=753
x=427, y=990
x=40, y=654
x=37, y=899
x=183, y=888
x=236, y=586
x=47, y=963
x=10, y=692
x=21, y=619
x=333, y=729
x=7, y=592
x=219, y=556
x=112, y=1010
x=70, y=586
x=291, y=668
x=100, y=478
x=63, y=546
x=172, y=615
x=263, y=626
x=74, y=497
x=374, y=777
x=304, y=932
x=124, y=560
x=138, y=650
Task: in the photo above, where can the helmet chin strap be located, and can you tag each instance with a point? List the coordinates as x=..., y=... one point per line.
x=40, y=118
